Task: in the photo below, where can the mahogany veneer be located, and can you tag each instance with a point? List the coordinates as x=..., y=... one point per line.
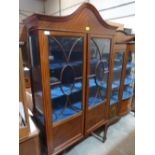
x=46, y=37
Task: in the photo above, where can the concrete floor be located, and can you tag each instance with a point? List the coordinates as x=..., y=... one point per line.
x=120, y=140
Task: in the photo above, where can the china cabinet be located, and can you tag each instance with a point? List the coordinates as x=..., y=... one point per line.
x=122, y=87
x=70, y=65
x=118, y=61
x=127, y=96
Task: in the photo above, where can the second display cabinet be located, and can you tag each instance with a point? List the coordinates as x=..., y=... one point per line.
x=122, y=87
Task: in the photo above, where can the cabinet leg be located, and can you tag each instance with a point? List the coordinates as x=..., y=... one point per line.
x=105, y=133
x=101, y=138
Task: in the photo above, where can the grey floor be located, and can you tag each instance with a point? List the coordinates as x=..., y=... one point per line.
x=120, y=140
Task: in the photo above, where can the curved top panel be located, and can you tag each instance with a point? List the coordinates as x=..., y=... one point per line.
x=85, y=19
x=122, y=37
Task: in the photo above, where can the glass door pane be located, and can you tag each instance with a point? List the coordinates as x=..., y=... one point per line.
x=66, y=65
x=130, y=76
x=116, y=77
x=36, y=76
x=99, y=69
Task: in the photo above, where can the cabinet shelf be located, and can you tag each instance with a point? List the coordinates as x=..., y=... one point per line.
x=56, y=92
x=67, y=112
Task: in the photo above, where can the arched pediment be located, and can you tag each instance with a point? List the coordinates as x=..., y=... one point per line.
x=85, y=19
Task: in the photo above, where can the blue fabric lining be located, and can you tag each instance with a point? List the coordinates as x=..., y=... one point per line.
x=127, y=93
x=94, y=101
x=62, y=64
x=57, y=112
x=114, y=99
x=56, y=91
x=129, y=80
x=115, y=84
x=130, y=65
x=67, y=112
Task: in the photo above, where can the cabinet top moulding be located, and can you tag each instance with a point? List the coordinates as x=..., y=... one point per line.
x=122, y=38
x=85, y=19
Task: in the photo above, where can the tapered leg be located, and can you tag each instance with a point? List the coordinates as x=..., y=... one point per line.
x=105, y=133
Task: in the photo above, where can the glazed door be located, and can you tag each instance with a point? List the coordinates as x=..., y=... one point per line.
x=66, y=65
x=116, y=82
x=66, y=55
x=97, y=80
x=58, y=73
x=128, y=81
x=116, y=77
x=128, y=89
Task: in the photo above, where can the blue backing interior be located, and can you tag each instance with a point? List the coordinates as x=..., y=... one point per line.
x=113, y=99
x=69, y=111
x=128, y=92
x=130, y=65
x=56, y=91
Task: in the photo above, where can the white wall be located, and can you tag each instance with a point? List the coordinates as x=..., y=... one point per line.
x=121, y=11
x=52, y=7
x=28, y=7
x=66, y=7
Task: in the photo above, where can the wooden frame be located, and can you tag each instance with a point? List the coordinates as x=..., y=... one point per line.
x=123, y=42
x=85, y=22
x=125, y=105
x=98, y=108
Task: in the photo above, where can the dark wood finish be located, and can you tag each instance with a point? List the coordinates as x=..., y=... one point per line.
x=85, y=16
x=66, y=133
x=85, y=22
x=43, y=47
x=30, y=145
x=133, y=104
x=125, y=43
x=95, y=117
x=125, y=106
x=123, y=37
x=113, y=110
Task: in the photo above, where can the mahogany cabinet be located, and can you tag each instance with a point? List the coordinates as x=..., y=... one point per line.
x=122, y=87
x=127, y=97
x=70, y=64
